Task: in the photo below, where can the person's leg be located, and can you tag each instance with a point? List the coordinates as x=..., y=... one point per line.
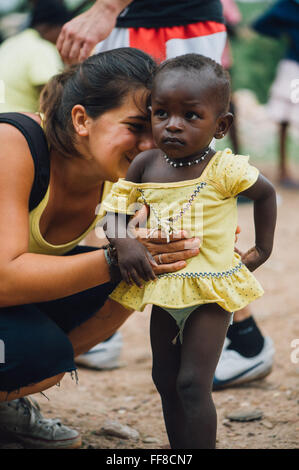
x=233, y=131
x=203, y=338
x=283, y=172
x=166, y=363
x=102, y=325
x=99, y=327
x=244, y=334
x=284, y=176
x=37, y=354
x=247, y=355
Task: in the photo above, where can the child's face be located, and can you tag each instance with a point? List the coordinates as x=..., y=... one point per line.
x=184, y=114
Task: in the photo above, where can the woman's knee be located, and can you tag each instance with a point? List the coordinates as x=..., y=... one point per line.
x=30, y=389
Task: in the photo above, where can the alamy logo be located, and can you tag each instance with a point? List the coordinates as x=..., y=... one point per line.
x=2, y=352
x=295, y=91
x=2, y=91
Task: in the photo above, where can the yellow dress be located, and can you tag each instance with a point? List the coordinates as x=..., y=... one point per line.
x=207, y=208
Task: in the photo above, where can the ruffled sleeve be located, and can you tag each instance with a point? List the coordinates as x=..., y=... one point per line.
x=122, y=198
x=234, y=174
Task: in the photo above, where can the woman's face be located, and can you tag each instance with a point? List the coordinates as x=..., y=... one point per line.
x=117, y=136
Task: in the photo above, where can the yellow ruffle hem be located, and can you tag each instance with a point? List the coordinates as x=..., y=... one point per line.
x=232, y=290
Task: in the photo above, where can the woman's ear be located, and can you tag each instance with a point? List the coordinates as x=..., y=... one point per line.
x=80, y=120
x=223, y=125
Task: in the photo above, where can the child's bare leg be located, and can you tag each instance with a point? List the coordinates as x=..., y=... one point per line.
x=166, y=364
x=203, y=339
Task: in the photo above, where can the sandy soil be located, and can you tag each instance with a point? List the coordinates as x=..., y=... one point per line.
x=129, y=396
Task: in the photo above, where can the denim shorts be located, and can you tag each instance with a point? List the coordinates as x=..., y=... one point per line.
x=34, y=337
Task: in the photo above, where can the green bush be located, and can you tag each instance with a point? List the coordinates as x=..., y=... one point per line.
x=255, y=57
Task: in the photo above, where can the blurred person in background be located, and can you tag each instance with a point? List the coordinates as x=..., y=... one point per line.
x=29, y=59
x=282, y=21
x=232, y=17
x=164, y=29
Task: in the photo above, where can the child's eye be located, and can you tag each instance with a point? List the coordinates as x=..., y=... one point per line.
x=160, y=113
x=190, y=115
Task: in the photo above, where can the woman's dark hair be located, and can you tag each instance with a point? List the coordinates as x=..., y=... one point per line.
x=217, y=76
x=99, y=84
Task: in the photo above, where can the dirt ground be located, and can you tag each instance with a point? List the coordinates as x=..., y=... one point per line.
x=128, y=395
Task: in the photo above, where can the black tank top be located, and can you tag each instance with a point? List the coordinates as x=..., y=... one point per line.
x=161, y=13
x=38, y=146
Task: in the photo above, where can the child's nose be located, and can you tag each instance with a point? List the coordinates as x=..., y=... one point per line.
x=174, y=124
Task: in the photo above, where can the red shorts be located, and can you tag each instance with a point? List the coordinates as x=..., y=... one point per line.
x=207, y=38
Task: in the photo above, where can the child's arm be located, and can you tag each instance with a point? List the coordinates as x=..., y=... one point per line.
x=264, y=197
x=133, y=258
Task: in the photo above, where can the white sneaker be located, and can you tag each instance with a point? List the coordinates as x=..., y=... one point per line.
x=22, y=421
x=104, y=355
x=234, y=369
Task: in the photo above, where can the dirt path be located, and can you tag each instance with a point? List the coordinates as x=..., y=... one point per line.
x=129, y=396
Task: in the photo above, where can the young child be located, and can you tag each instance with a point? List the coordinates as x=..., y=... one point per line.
x=187, y=185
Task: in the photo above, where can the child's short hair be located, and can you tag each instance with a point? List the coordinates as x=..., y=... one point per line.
x=198, y=63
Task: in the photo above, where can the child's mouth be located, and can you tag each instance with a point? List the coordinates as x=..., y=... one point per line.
x=173, y=141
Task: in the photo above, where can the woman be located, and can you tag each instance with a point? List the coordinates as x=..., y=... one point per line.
x=55, y=307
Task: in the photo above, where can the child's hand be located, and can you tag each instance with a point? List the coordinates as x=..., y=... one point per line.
x=253, y=258
x=134, y=262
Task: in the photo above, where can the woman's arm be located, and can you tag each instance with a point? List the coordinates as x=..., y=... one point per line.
x=28, y=277
x=264, y=197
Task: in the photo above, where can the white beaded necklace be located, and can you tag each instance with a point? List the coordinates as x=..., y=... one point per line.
x=181, y=164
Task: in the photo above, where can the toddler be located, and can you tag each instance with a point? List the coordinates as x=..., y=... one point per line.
x=189, y=186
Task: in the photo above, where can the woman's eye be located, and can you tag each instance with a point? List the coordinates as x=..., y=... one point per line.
x=136, y=128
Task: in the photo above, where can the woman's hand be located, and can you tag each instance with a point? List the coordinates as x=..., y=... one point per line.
x=172, y=256
x=166, y=257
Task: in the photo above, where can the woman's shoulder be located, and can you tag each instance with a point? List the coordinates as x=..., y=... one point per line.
x=35, y=116
x=14, y=145
x=13, y=131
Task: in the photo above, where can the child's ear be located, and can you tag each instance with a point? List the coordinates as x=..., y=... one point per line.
x=223, y=125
